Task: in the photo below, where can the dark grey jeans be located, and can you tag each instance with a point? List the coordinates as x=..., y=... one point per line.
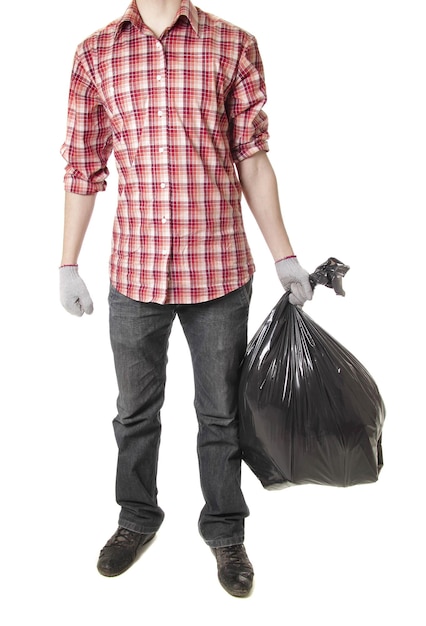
x=216, y=332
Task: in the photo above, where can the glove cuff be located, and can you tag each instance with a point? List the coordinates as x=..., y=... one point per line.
x=68, y=272
x=291, y=256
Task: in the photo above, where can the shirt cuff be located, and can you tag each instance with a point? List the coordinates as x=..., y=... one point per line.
x=239, y=153
x=81, y=186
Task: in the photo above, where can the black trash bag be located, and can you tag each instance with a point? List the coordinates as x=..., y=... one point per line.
x=309, y=410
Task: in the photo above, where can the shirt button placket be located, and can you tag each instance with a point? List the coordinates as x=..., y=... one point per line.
x=161, y=156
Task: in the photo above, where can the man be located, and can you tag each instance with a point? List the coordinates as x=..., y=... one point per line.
x=177, y=94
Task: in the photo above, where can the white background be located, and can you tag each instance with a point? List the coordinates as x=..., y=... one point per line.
x=347, y=101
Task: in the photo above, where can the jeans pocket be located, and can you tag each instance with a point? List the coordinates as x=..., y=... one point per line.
x=112, y=294
x=246, y=291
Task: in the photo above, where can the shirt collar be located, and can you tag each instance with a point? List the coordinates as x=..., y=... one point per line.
x=133, y=16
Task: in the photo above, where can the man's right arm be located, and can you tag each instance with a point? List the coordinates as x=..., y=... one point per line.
x=78, y=211
x=73, y=292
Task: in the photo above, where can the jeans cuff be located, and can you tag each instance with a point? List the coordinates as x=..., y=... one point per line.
x=225, y=543
x=136, y=528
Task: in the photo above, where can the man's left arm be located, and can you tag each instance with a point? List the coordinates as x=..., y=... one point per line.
x=260, y=189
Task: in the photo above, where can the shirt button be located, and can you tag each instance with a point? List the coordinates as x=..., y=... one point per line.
x=160, y=113
x=161, y=150
x=158, y=45
x=159, y=77
x=163, y=220
x=164, y=251
x=163, y=185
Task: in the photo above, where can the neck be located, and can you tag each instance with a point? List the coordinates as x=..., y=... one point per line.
x=158, y=14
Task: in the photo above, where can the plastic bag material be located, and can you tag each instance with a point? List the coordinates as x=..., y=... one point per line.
x=310, y=412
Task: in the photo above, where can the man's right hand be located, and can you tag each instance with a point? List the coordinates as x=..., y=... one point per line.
x=74, y=295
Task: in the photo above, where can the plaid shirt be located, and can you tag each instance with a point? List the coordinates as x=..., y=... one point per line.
x=178, y=112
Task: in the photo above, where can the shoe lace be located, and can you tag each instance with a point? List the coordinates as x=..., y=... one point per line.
x=122, y=537
x=235, y=556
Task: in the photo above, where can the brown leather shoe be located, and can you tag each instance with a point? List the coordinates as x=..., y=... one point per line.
x=235, y=572
x=121, y=551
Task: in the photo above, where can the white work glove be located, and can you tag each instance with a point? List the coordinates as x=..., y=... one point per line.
x=73, y=292
x=293, y=277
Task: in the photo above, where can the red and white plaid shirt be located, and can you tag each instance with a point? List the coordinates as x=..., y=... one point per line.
x=178, y=112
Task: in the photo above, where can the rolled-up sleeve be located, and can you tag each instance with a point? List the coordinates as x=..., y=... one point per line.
x=248, y=121
x=88, y=142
